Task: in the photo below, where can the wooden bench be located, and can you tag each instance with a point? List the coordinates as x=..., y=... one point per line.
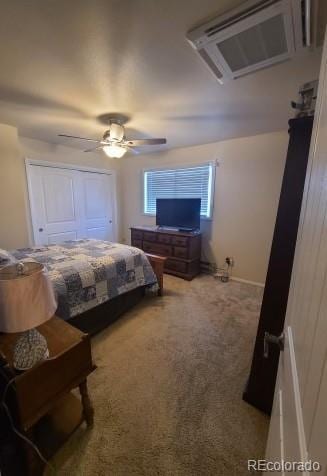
x=157, y=262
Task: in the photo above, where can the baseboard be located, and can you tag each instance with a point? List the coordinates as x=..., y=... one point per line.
x=246, y=281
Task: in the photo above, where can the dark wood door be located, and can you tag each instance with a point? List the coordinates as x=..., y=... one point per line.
x=261, y=383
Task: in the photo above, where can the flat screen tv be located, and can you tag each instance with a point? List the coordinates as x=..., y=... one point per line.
x=181, y=213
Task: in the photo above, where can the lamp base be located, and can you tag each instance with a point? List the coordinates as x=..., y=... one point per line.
x=30, y=348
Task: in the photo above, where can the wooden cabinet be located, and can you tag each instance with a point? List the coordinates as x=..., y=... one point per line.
x=182, y=249
x=40, y=400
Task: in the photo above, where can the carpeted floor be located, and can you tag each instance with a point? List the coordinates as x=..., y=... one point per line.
x=167, y=391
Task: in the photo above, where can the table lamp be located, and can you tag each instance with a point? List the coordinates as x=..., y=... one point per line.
x=27, y=300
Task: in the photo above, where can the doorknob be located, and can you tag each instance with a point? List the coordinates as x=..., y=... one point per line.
x=271, y=339
x=110, y=221
x=40, y=229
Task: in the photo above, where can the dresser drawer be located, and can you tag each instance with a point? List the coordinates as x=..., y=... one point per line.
x=137, y=243
x=137, y=234
x=180, y=240
x=164, y=239
x=174, y=265
x=157, y=248
x=180, y=252
x=148, y=236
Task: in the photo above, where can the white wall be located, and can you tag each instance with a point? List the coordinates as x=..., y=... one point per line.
x=248, y=183
x=13, y=210
x=15, y=229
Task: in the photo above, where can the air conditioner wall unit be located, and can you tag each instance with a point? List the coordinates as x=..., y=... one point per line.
x=256, y=35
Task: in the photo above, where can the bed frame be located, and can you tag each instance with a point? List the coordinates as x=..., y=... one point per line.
x=96, y=319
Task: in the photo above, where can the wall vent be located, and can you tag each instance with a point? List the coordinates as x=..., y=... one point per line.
x=212, y=65
x=257, y=35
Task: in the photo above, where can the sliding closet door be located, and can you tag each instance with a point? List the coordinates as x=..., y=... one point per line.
x=54, y=198
x=97, y=198
x=70, y=204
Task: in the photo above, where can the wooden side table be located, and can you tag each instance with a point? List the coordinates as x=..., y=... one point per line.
x=40, y=399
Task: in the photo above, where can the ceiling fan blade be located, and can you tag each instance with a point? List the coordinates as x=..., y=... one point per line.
x=134, y=151
x=76, y=137
x=140, y=142
x=92, y=150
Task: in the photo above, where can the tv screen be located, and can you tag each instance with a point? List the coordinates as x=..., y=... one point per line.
x=179, y=212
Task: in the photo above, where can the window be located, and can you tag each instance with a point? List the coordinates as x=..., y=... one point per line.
x=186, y=182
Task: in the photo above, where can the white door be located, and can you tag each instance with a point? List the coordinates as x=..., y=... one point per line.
x=69, y=204
x=298, y=428
x=96, y=213
x=54, y=204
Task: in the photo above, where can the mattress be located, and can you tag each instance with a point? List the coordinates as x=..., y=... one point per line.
x=86, y=273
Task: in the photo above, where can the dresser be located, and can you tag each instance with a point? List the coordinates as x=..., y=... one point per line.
x=182, y=249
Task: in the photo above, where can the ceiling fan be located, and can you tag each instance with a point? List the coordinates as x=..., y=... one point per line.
x=114, y=142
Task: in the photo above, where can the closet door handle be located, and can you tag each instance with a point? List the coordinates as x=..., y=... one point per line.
x=110, y=221
x=40, y=230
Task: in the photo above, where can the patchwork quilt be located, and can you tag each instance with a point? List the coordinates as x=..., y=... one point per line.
x=86, y=273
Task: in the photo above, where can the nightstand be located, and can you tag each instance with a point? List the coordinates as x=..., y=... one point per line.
x=40, y=399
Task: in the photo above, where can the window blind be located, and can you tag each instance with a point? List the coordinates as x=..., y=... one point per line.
x=190, y=182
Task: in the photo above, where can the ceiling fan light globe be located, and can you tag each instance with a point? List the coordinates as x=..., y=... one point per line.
x=114, y=151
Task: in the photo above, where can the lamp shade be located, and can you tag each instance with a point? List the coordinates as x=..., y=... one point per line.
x=26, y=297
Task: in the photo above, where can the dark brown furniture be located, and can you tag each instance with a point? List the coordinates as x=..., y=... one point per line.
x=261, y=383
x=182, y=249
x=40, y=399
x=158, y=263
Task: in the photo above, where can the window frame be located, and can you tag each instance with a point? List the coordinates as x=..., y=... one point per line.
x=212, y=184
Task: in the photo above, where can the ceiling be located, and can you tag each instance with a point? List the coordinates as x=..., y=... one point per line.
x=64, y=63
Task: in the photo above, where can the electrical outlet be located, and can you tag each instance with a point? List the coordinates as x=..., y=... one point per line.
x=230, y=261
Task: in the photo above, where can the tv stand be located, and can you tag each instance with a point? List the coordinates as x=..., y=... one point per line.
x=181, y=248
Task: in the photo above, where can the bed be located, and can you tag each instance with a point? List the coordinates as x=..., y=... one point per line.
x=95, y=281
